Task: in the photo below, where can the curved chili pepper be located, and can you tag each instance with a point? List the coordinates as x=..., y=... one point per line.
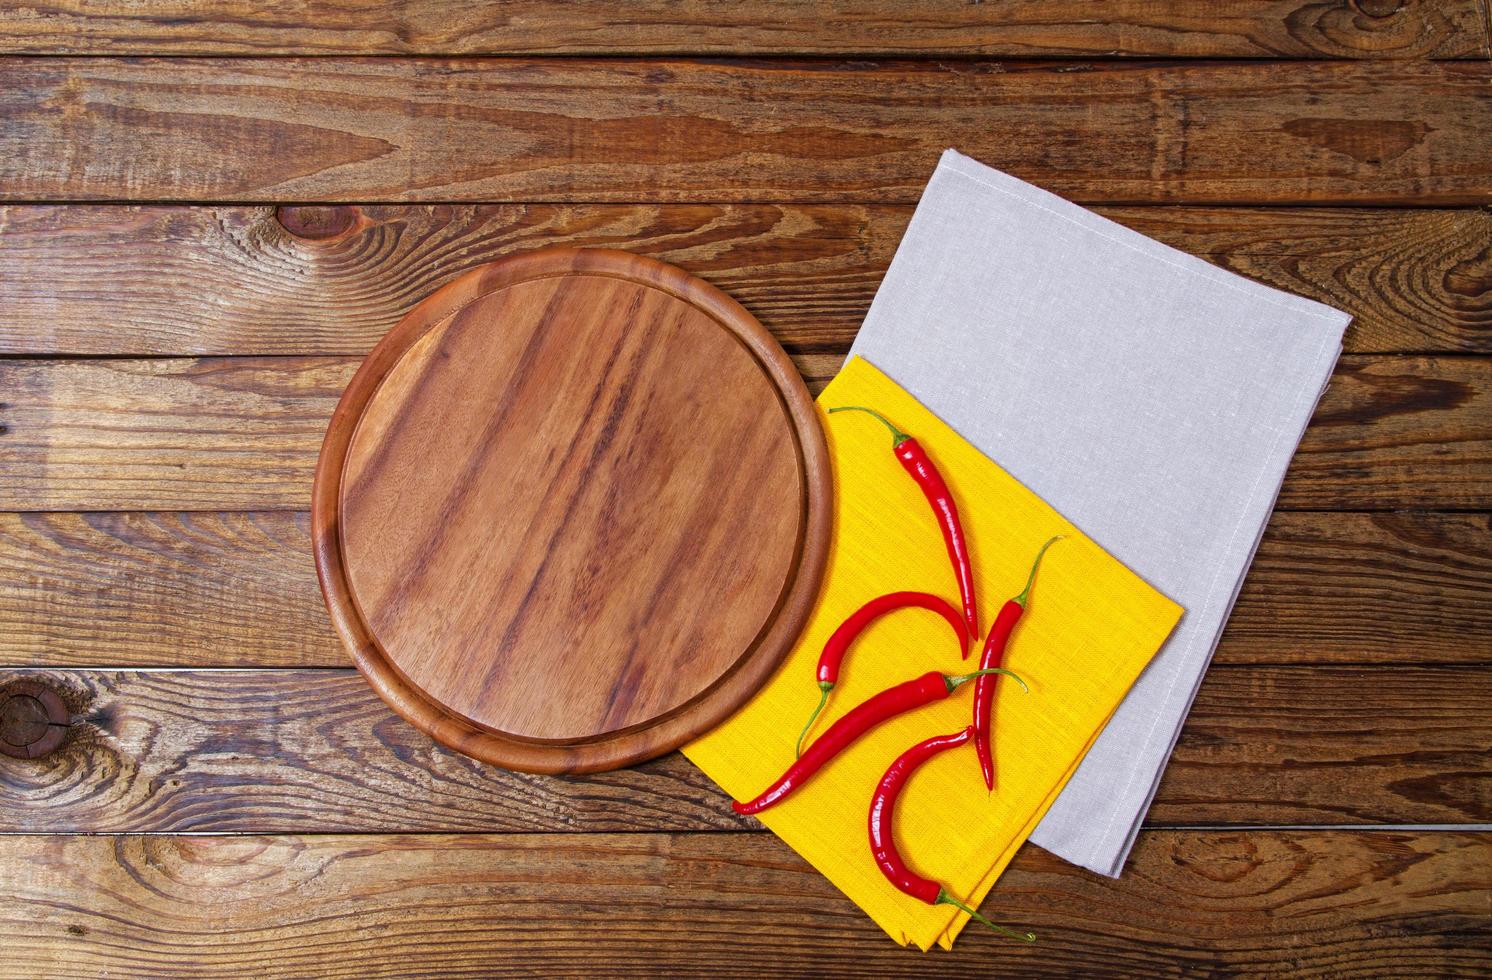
x=883, y=840
x=994, y=652
x=931, y=686
x=839, y=643
x=914, y=460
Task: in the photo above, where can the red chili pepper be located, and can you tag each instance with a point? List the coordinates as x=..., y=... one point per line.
x=931, y=686
x=914, y=460
x=994, y=652
x=883, y=840
x=839, y=643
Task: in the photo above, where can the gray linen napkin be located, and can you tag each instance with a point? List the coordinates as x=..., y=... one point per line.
x=1152, y=398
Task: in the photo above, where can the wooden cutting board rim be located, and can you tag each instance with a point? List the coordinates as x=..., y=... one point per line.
x=736, y=684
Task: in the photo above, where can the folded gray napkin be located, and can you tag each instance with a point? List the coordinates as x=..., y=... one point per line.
x=1152, y=398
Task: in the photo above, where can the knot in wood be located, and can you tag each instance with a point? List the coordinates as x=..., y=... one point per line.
x=1378, y=8
x=318, y=222
x=33, y=720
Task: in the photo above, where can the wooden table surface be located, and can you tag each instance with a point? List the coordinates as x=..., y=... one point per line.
x=210, y=212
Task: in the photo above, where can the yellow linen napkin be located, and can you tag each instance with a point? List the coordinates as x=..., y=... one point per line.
x=1090, y=627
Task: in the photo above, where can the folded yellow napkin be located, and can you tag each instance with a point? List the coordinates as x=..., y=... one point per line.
x=1090, y=627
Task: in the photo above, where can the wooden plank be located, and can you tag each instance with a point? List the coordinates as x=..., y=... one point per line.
x=1366, y=588
x=1259, y=902
x=239, y=590
x=168, y=281
x=308, y=751
x=1333, y=745
x=357, y=130
x=197, y=432
x=145, y=590
x=314, y=751
x=1034, y=28
x=1367, y=445
x=243, y=433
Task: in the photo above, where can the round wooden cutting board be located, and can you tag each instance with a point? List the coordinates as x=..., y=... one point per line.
x=572, y=511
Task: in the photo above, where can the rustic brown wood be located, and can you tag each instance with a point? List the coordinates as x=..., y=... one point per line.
x=1259, y=902
x=1365, y=441
x=105, y=279
x=357, y=130
x=1350, y=688
x=1333, y=745
x=1354, y=588
x=313, y=751
x=1144, y=28
x=309, y=751
x=239, y=590
x=243, y=433
x=196, y=431
x=572, y=511
x=152, y=590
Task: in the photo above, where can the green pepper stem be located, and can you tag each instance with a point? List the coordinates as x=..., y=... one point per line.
x=1020, y=600
x=898, y=437
x=954, y=681
x=825, y=687
x=946, y=899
